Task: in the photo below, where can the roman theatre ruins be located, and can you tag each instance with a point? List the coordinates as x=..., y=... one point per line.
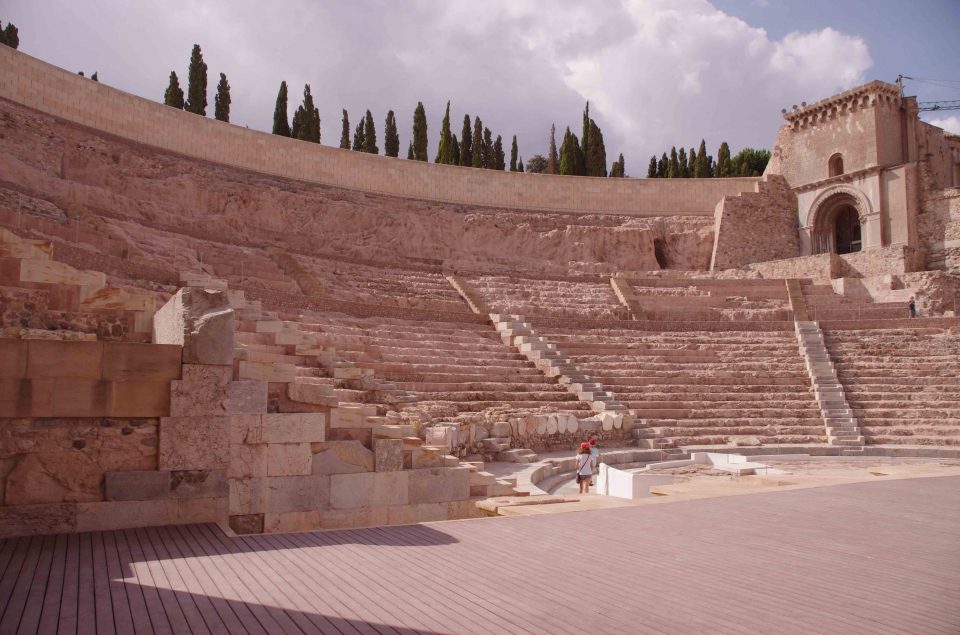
x=207, y=324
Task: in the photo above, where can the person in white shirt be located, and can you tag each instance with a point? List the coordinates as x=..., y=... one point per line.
x=594, y=453
x=585, y=468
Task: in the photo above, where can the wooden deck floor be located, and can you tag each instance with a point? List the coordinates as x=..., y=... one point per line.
x=873, y=558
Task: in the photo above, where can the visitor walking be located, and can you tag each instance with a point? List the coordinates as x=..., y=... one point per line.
x=912, y=306
x=594, y=453
x=584, y=468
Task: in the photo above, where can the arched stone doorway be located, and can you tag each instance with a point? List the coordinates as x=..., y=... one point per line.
x=837, y=225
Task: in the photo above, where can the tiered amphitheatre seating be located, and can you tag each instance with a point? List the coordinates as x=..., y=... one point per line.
x=824, y=304
x=708, y=299
x=903, y=381
x=464, y=363
x=553, y=297
x=704, y=385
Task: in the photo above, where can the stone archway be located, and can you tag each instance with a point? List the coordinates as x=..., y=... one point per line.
x=837, y=221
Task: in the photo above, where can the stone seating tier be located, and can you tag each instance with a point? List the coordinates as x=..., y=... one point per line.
x=558, y=298
x=823, y=304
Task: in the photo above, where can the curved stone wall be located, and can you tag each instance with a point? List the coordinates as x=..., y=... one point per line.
x=36, y=84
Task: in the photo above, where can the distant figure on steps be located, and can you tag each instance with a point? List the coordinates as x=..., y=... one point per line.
x=912, y=306
x=584, y=468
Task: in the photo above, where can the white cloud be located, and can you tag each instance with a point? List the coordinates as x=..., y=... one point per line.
x=656, y=72
x=950, y=123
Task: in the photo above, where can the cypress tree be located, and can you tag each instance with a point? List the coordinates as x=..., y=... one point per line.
x=724, y=167
x=466, y=144
x=596, y=155
x=221, y=102
x=410, y=151
x=391, y=140
x=571, y=156
x=553, y=161
x=702, y=168
x=358, y=140
x=618, y=166
x=476, y=156
x=173, y=96
x=520, y=164
x=499, y=159
x=345, y=131
x=455, y=157
x=280, y=124
x=652, y=168
x=623, y=167
x=682, y=172
x=513, y=154
x=197, y=83
x=444, y=151
x=663, y=165
x=692, y=163
x=487, y=157
x=585, y=136
x=673, y=168
x=10, y=36
x=307, y=119
x=369, y=135
x=420, y=133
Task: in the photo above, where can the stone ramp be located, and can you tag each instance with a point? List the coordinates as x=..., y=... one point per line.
x=193, y=578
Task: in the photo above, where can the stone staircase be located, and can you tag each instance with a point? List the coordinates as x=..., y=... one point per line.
x=797, y=302
x=824, y=304
x=624, y=292
x=468, y=294
x=841, y=425
x=514, y=331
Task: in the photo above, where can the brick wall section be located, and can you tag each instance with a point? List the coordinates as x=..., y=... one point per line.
x=756, y=226
x=52, y=90
x=939, y=230
x=819, y=268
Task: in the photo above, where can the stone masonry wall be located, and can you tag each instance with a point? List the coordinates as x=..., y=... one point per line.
x=756, y=226
x=28, y=81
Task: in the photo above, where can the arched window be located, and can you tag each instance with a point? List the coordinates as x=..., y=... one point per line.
x=836, y=165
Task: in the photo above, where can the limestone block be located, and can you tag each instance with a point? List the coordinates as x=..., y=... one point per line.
x=360, y=517
x=245, y=428
x=306, y=427
x=426, y=457
x=48, y=359
x=276, y=522
x=436, y=485
x=321, y=394
x=198, y=484
x=26, y=397
x=136, y=485
x=552, y=424
x=341, y=457
x=76, y=397
x=139, y=398
x=53, y=272
x=202, y=510
x=247, y=461
x=128, y=361
x=280, y=373
x=13, y=359
x=541, y=425
x=30, y=520
x=351, y=372
x=297, y=493
x=392, y=431
x=201, y=321
x=202, y=280
x=247, y=495
x=111, y=298
x=349, y=417
x=501, y=429
x=289, y=338
x=370, y=489
x=192, y=443
x=54, y=477
x=202, y=391
x=289, y=459
x=109, y=515
x=388, y=454
x=246, y=396
x=247, y=523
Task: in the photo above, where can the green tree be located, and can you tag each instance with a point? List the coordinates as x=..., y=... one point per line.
x=221, y=102
x=466, y=143
x=553, y=160
x=10, y=36
x=476, y=155
x=197, y=83
x=663, y=166
x=420, y=133
x=369, y=135
x=445, y=149
x=488, y=159
x=520, y=164
x=751, y=162
x=499, y=158
x=281, y=126
x=596, y=154
x=345, y=131
x=691, y=163
x=702, y=169
x=571, y=156
x=173, y=96
x=673, y=168
x=358, y=140
x=455, y=146
x=682, y=171
x=618, y=167
x=391, y=140
x=410, y=151
x=585, y=136
x=513, y=154
x=307, y=119
x=652, y=168
x=537, y=164
x=724, y=165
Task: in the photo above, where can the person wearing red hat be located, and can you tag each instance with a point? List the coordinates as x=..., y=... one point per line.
x=584, y=468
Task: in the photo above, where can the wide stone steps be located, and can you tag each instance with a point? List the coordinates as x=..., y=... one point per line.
x=497, y=395
x=477, y=406
x=487, y=386
x=671, y=399
x=738, y=428
x=634, y=378
x=709, y=411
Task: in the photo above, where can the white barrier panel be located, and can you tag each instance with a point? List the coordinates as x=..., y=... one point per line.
x=629, y=485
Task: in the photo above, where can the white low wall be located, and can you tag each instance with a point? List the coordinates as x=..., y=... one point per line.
x=629, y=485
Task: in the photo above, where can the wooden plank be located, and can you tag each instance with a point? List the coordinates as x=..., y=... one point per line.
x=12, y=573
x=145, y=607
x=126, y=618
x=86, y=587
x=104, y=594
x=54, y=591
x=167, y=614
x=33, y=607
x=21, y=587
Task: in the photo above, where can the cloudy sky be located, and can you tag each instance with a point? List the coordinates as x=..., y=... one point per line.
x=657, y=72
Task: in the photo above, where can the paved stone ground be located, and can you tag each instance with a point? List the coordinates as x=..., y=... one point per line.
x=878, y=557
